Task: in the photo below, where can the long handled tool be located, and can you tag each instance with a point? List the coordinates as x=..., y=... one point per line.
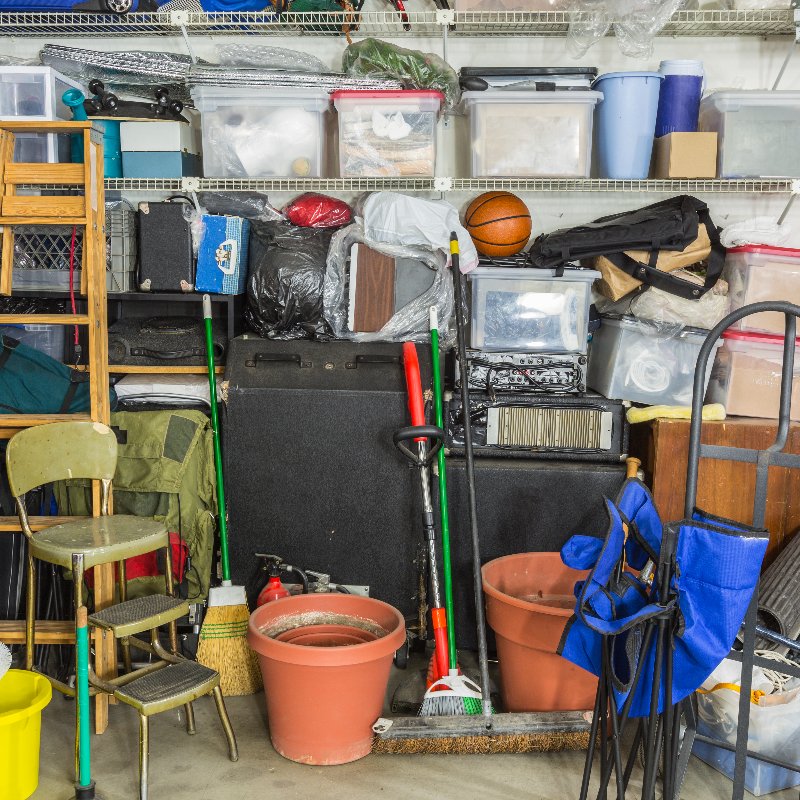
x=223, y=637
x=421, y=435
x=461, y=335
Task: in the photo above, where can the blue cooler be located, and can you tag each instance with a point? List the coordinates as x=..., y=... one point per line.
x=222, y=255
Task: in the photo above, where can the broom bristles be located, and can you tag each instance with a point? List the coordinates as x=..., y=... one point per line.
x=436, y=704
x=223, y=647
x=469, y=745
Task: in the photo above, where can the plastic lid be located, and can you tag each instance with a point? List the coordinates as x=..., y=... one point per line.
x=757, y=338
x=766, y=250
x=385, y=94
x=607, y=75
x=630, y=321
x=533, y=273
x=503, y=72
x=532, y=96
x=681, y=66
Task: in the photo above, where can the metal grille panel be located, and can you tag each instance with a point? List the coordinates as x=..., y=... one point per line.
x=562, y=428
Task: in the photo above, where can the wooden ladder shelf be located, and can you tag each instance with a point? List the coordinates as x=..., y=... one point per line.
x=83, y=208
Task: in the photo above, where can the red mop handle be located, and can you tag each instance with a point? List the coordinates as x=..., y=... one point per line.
x=416, y=403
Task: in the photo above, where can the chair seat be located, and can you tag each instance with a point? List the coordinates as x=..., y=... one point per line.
x=168, y=687
x=101, y=540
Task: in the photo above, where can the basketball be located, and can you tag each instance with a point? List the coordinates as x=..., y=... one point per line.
x=499, y=224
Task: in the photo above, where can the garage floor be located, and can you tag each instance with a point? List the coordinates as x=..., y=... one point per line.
x=197, y=767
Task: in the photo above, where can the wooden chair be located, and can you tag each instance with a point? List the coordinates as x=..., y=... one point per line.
x=88, y=450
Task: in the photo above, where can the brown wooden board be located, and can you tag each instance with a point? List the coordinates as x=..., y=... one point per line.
x=372, y=289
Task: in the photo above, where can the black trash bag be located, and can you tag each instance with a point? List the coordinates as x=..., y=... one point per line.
x=284, y=287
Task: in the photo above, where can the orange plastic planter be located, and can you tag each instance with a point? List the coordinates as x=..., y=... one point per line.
x=533, y=676
x=325, y=683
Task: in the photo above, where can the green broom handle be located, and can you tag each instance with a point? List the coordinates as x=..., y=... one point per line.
x=212, y=387
x=448, y=571
x=82, y=689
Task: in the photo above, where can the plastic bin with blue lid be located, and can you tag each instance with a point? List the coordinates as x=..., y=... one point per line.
x=530, y=310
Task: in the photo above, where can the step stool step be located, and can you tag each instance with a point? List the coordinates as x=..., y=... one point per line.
x=140, y=614
x=167, y=688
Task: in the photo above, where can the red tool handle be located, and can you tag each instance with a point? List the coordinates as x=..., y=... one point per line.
x=416, y=403
x=441, y=653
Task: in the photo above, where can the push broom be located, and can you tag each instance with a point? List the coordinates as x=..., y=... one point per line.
x=223, y=636
x=484, y=732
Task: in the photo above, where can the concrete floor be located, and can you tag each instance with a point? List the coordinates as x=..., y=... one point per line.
x=197, y=767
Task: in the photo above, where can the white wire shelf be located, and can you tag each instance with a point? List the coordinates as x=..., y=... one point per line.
x=444, y=185
x=768, y=22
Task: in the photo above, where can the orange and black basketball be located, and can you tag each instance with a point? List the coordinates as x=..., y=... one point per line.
x=499, y=224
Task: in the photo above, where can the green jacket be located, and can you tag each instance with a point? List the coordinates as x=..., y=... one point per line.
x=165, y=470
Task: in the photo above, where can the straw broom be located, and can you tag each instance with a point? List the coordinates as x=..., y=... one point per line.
x=223, y=636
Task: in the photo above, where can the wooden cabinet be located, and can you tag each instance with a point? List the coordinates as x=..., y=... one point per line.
x=725, y=488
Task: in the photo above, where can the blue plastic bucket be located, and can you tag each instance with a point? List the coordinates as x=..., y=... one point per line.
x=679, y=99
x=626, y=122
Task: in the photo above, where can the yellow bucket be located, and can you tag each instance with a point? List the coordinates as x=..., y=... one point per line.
x=23, y=695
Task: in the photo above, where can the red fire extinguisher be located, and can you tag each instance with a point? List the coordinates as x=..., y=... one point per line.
x=275, y=590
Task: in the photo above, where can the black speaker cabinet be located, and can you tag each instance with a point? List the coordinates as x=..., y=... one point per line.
x=312, y=473
x=523, y=506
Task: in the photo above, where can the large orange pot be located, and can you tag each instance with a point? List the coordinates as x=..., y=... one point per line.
x=533, y=676
x=325, y=683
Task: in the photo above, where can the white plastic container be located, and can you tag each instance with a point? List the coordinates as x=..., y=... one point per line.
x=47, y=338
x=758, y=132
x=34, y=93
x=254, y=132
x=530, y=310
x=639, y=361
x=747, y=375
x=530, y=134
x=756, y=273
x=158, y=136
x=387, y=134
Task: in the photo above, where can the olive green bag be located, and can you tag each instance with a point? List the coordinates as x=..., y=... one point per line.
x=165, y=470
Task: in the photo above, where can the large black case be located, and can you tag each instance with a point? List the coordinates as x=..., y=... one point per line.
x=523, y=506
x=164, y=341
x=166, y=263
x=311, y=471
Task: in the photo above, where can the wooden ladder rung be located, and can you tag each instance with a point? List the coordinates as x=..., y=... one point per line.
x=11, y=524
x=70, y=221
x=51, y=209
x=68, y=174
x=45, y=126
x=29, y=420
x=44, y=319
x=46, y=631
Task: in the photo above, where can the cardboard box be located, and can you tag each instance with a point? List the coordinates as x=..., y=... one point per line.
x=172, y=164
x=685, y=155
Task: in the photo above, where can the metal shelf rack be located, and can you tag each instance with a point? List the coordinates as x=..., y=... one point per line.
x=770, y=22
x=444, y=185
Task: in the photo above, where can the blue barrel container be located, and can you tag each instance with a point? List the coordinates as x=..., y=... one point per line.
x=679, y=100
x=625, y=123
x=112, y=147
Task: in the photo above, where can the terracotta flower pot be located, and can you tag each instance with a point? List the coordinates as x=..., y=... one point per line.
x=533, y=676
x=325, y=681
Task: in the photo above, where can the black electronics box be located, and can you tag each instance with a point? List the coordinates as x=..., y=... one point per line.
x=166, y=261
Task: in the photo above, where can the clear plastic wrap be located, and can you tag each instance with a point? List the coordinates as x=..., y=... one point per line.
x=757, y=230
x=665, y=308
x=415, y=69
x=635, y=22
x=261, y=57
x=285, y=284
x=411, y=322
x=405, y=221
x=312, y=210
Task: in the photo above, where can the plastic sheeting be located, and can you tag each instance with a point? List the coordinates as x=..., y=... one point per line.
x=409, y=323
x=635, y=23
x=285, y=284
x=312, y=210
x=415, y=69
x=758, y=230
x=261, y=57
x=397, y=219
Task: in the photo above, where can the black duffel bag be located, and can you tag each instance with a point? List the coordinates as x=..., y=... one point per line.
x=641, y=247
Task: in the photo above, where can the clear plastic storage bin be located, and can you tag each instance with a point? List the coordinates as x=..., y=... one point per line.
x=756, y=273
x=34, y=93
x=47, y=338
x=758, y=132
x=643, y=362
x=746, y=377
x=387, y=134
x=524, y=134
x=530, y=310
x=254, y=132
